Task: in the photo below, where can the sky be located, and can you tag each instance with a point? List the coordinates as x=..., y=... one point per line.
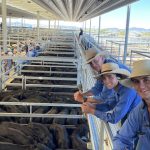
x=139, y=16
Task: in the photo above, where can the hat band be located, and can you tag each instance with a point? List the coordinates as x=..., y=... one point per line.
x=106, y=71
x=91, y=58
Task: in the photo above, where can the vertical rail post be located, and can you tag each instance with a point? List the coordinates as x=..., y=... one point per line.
x=30, y=113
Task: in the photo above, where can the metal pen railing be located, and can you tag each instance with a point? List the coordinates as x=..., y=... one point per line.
x=101, y=134
x=139, y=55
x=37, y=115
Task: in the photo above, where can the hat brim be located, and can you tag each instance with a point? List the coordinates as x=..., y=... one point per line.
x=102, y=53
x=14, y=45
x=124, y=73
x=126, y=82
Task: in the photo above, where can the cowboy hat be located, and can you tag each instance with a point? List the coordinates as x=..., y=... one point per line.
x=14, y=45
x=112, y=68
x=140, y=68
x=91, y=53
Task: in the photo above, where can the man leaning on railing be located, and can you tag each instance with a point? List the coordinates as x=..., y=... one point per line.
x=136, y=129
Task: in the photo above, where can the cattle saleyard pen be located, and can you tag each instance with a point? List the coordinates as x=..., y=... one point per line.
x=37, y=107
x=38, y=100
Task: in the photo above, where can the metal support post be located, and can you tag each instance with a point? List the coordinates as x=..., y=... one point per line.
x=85, y=27
x=90, y=28
x=111, y=47
x=49, y=24
x=119, y=51
x=58, y=24
x=38, y=31
x=99, y=29
x=10, y=22
x=127, y=33
x=22, y=23
x=0, y=70
x=55, y=24
x=4, y=25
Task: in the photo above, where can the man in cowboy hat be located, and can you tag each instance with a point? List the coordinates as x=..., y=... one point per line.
x=95, y=60
x=124, y=99
x=137, y=126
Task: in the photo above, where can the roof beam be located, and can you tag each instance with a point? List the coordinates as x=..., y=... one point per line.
x=62, y=7
x=77, y=8
x=87, y=5
x=106, y=6
x=97, y=7
x=71, y=9
x=44, y=5
x=51, y=4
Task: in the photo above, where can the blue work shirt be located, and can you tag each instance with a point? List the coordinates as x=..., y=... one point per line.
x=123, y=101
x=97, y=88
x=30, y=53
x=108, y=99
x=120, y=64
x=136, y=126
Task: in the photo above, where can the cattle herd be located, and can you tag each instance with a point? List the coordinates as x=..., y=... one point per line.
x=42, y=133
x=20, y=133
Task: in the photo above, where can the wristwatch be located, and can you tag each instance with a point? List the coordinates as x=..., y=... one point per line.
x=86, y=97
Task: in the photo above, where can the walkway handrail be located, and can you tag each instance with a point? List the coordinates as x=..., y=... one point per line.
x=98, y=129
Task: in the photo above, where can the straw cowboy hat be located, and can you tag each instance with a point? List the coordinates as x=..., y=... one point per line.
x=140, y=68
x=91, y=53
x=8, y=49
x=112, y=68
x=14, y=45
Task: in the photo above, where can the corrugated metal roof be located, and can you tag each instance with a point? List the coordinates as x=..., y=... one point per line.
x=68, y=10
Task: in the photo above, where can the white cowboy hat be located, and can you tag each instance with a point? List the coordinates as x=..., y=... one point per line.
x=112, y=68
x=140, y=68
x=91, y=54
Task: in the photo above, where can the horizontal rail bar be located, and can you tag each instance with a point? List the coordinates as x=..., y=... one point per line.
x=54, y=72
x=48, y=66
x=55, y=86
x=57, y=53
x=41, y=85
x=55, y=63
x=40, y=104
x=33, y=115
x=40, y=58
x=44, y=78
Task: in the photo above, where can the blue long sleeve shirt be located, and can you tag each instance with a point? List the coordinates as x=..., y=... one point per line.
x=97, y=88
x=123, y=101
x=136, y=126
